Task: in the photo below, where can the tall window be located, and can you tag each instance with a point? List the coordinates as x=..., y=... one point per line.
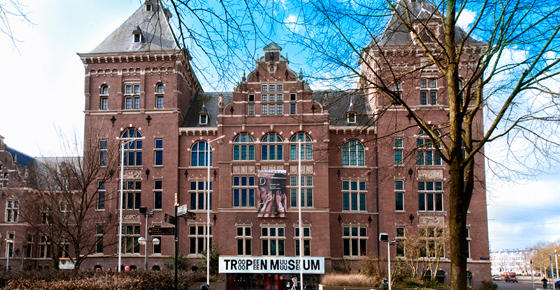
x=306, y=147
x=12, y=210
x=354, y=195
x=271, y=148
x=293, y=106
x=157, y=247
x=197, y=241
x=44, y=247
x=353, y=154
x=427, y=154
x=430, y=196
x=10, y=244
x=399, y=195
x=351, y=117
x=354, y=241
x=251, y=105
x=132, y=96
x=272, y=238
x=158, y=152
x=398, y=150
x=306, y=241
x=131, y=234
x=306, y=191
x=99, y=232
x=104, y=99
x=101, y=195
x=132, y=194
x=244, y=239
x=428, y=91
x=197, y=192
x=159, y=96
x=401, y=240
x=158, y=192
x=30, y=246
x=198, y=154
x=244, y=191
x=243, y=148
x=468, y=243
x=103, y=152
x=133, y=149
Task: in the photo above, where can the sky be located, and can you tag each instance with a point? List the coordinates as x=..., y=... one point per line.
x=42, y=102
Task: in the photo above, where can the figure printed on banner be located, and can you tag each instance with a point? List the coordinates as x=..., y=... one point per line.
x=272, y=193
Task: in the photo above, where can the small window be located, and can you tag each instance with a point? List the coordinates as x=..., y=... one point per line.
x=148, y=7
x=159, y=89
x=137, y=89
x=159, y=102
x=137, y=37
x=263, y=88
x=104, y=104
x=128, y=89
x=279, y=88
x=128, y=103
x=104, y=90
x=158, y=190
x=293, y=97
x=251, y=110
x=136, y=102
x=271, y=88
x=251, y=98
x=158, y=152
x=351, y=117
x=203, y=119
x=423, y=83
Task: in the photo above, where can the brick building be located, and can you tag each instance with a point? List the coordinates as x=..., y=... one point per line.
x=359, y=178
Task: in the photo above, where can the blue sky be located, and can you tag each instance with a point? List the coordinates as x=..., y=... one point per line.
x=42, y=100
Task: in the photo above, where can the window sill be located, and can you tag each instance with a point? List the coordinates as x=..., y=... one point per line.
x=158, y=166
x=100, y=209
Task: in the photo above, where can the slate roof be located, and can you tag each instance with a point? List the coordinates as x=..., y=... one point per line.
x=21, y=158
x=339, y=103
x=153, y=25
x=210, y=102
x=396, y=32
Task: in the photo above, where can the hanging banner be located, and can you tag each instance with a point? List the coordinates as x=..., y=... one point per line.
x=285, y=265
x=272, y=193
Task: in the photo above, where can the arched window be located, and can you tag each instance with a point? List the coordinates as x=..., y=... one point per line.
x=159, y=96
x=427, y=154
x=104, y=90
x=272, y=149
x=132, y=149
x=243, y=149
x=353, y=154
x=306, y=147
x=159, y=88
x=198, y=154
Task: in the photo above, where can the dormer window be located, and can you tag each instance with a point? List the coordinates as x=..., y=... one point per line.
x=351, y=117
x=148, y=7
x=137, y=33
x=203, y=120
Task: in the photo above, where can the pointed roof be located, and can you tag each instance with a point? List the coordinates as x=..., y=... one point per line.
x=396, y=33
x=151, y=22
x=272, y=47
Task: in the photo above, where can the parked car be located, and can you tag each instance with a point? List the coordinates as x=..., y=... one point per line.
x=510, y=277
x=496, y=277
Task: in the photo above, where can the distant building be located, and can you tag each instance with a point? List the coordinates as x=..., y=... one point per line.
x=359, y=178
x=512, y=260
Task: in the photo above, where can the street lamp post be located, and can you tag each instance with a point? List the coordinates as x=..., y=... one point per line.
x=384, y=237
x=124, y=141
x=299, y=219
x=144, y=241
x=556, y=262
x=552, y=272
x=208, y=148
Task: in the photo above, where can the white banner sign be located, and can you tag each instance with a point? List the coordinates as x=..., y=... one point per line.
x=311, y=265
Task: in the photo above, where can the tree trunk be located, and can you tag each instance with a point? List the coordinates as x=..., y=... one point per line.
x=457, y=226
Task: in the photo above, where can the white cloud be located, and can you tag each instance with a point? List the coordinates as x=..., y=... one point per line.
x=292, y=22
x=466, y=19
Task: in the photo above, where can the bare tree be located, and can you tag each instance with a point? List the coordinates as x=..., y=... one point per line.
x=11, y=10
x=67, y=204
x=505, y=62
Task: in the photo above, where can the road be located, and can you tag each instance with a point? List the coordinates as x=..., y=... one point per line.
x=523, y=284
